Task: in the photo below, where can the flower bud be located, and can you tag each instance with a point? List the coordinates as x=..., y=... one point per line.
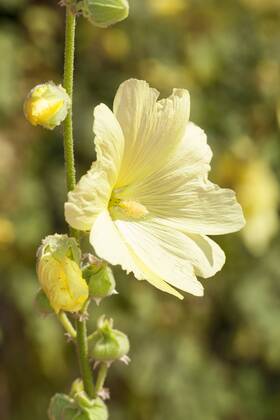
x=60, y=275
x=107, y=344
x=64, y=407
x=100, y=278
x=47, y=105
x=104, y=13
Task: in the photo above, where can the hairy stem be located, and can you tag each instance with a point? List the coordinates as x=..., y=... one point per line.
x=82, y=345
x=68, y=85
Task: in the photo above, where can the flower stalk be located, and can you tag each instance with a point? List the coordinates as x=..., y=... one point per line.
x=82, y=345
x=64, y=320
x=101, y=377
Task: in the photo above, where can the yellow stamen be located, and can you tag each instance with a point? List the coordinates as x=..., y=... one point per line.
x=127, y=208
x=133, y=209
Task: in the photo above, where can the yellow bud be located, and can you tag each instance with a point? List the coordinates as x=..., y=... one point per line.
x=60, y=275
x=47, y=105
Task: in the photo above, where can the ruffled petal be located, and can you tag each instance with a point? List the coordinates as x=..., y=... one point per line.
x=152, y=129
x=193, y=155
x=92, y=193
x=90, y=196
x=170, y=255
x=110, y=246
x=206, y=255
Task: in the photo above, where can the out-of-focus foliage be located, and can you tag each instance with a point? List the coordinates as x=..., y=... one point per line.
x=211, y=358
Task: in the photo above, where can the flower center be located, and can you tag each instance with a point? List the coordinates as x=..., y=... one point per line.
x=128, y=209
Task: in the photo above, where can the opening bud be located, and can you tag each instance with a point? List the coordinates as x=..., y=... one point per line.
x=107, y=344
x=104, y=13
x=60, y=275
x=100, y=278
x=47, y=105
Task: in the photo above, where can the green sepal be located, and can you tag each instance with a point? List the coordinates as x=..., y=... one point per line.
x=60, y=246
x=66, y=408
x=42, y=303
x=104, y=13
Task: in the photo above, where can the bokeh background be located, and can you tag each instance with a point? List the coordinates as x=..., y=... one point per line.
x=211, y=358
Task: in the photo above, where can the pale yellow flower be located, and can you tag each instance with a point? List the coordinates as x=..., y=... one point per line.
x=147, y=201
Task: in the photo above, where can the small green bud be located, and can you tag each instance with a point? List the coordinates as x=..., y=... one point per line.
x=42, y=303
x=107, y=344
x=64, y=407
x=100, y=279
x=47, y=105
x=104, y=13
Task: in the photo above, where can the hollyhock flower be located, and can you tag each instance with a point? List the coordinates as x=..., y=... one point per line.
x=147, y=201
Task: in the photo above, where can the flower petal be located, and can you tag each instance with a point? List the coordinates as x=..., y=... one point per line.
x=165, y=252
x=193, y=155
x=180, y=195
x=92, y=193
x=199, y=207
x=90, y=196
x=110, y=246
x=191, y=161
x=109, y=141
x=152, y=129
x=206, y=255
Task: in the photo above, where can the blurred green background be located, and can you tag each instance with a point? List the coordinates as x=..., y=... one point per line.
x=211, y=358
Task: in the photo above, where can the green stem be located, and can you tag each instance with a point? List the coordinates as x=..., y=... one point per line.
x=82, y=345
x=68, y=85
x=101, y=377
x=67, y=325
x=82, y=348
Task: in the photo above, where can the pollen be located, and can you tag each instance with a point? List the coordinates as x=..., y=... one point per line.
x=127, y=208
x=133, y=209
